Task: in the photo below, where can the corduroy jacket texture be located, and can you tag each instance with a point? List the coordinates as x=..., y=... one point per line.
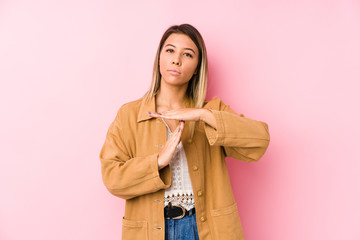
x=130, y=169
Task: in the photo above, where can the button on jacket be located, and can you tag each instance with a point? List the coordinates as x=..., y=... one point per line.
x=130, y=168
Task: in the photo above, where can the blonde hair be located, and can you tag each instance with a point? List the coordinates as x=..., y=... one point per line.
x=196, y=91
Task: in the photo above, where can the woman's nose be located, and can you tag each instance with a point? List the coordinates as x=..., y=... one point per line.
x=176, y=61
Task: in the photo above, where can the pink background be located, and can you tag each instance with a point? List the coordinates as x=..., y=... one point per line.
x=67, y=66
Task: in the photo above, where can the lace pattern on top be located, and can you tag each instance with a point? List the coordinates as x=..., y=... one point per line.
x=180, y=192
x=185, y=200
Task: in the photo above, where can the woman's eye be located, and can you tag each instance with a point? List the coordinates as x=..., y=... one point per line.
x=169, y=50
x=188, y=54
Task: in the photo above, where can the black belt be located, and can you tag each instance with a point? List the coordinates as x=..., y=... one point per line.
x=177, y=212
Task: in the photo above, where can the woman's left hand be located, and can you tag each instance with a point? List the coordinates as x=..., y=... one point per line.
x=188, y=114
x=185, y=114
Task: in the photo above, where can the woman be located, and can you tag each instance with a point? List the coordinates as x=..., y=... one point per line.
x=165, y=152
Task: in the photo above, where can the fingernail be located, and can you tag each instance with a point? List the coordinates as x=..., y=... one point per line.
x=149, y=112
x=159, y=113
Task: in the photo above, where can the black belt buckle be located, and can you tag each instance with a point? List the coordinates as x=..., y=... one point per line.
x=176, y=208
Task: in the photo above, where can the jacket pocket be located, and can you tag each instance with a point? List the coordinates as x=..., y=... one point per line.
x=227, y=223
x=134, y=230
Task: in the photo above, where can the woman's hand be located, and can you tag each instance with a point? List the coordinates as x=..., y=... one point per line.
x=168, y=150
x=188, y=114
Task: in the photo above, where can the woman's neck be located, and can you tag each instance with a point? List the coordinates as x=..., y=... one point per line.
x=171, y=97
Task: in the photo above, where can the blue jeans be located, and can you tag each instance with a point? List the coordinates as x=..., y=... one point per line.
x=181, y=229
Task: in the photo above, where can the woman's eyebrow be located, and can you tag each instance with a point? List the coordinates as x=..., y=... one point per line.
x=184, y=48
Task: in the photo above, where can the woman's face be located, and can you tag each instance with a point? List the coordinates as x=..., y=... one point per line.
x=178, y=59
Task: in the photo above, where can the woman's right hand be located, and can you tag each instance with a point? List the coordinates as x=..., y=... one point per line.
x=168, y=150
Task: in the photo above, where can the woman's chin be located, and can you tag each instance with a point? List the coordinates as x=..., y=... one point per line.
x=175, y=81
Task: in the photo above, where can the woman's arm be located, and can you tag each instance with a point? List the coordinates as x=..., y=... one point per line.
x=125, y=176
x=189, y=114
x=242, y=138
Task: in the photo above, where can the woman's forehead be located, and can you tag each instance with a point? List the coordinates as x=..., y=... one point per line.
x=179, y=40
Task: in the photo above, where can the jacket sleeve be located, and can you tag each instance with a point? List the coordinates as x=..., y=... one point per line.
x=242, y=138
x=128, y=177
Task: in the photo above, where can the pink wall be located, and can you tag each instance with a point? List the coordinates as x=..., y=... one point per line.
x=67, y=66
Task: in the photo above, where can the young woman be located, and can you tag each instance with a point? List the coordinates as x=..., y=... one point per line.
x=165, y=152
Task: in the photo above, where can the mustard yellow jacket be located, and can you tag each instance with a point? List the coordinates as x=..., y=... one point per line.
x=130, y=169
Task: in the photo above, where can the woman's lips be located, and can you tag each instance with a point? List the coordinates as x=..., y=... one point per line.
x=174, y=72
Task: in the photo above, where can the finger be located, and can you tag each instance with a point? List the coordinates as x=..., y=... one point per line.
x=174, y=135
x=177, y=133
x=172, y=144
x=174, y=139
x=182, y=124
x=181, y=128
x=178, y=128
x=172, y=114
x=174, y=117
x=159, y=115
x=152, y=114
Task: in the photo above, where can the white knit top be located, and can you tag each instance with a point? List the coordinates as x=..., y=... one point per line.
x=180, y=192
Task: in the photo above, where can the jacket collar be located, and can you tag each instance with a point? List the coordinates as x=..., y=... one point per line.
x=146, y=107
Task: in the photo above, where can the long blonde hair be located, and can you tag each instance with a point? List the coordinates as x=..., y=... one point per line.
x=196, y=91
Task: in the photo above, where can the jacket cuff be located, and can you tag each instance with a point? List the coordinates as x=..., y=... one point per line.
x=215, y=136
x=162, y=178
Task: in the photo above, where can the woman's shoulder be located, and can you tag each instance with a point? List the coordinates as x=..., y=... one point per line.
x=214, y=103
x=132, y=105
x=217, y=104
x=129, y=109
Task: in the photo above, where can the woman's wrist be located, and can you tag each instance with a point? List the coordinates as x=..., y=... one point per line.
x=208, y=117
